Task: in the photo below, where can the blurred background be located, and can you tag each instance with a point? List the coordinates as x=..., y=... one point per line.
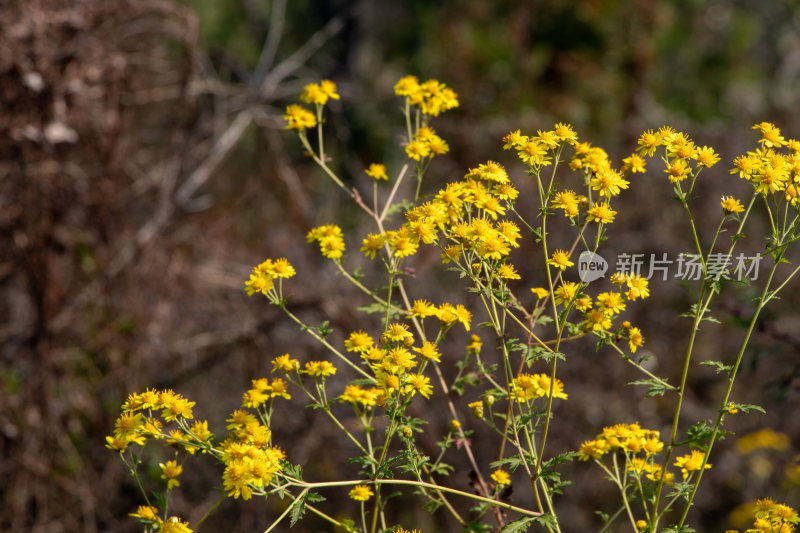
x=144, y=171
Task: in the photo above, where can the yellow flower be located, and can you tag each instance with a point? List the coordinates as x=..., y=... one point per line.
x=678, y=170
x=565, y=133
x=299, y=118
x=637, y=287
x=634, y=163
x=397, y=332
x=419, y=383
x=507, y=271
x=417, y=150
x=407, y=86
x=423, y=308
x=174, y=525
x=635, y=339
x=377, y=172
x=731, y=205
x=147, y=513
x=501, y=477
x=429, y=351
x=608, y=182
x=319, y=368
x=170, y=471
x=371, y=244
x=611, y=302
x=560, y=260
x=477, y=408
x=531, y=386
x=358, y=341
x=319, y=93
x=475, y=344
x=691, y=462
x=706, y=157
x=566, y=292
x=285, y=363
x=330, y=240
x=361, y=493
x=601, y=212
x=770, y=135
x=540, y=292
x=568, y=201
x=649, y=141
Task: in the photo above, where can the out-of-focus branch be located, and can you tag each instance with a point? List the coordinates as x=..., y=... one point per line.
x=300, y=56
x=221, y=148
x=275, y=32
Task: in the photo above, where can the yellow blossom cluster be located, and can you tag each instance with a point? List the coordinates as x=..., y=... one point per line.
x=330, y=240
x=765, y=438
x=627, y=437
x=773, y=517
x=680, y=152
x=431, y=97
x=144, y=414
x=426, y=143
x=263, y=278
x=394, y=363
x=527, y=387
x=299, y=118
x=769, y=170
x=319, y=93
x=264, y=390
x=250, y=460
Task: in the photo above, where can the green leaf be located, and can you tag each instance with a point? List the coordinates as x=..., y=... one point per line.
x=657, y=388
x=518, y=525
x=747, y=407
x=699, y=434
x=432, y=505
x=547, y=520
x=718, y=366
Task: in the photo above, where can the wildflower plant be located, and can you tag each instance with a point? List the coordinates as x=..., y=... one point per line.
x=398, y=356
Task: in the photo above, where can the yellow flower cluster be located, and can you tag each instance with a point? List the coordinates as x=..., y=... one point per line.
x=431, y=97
x=527, y=387
x=426, y=144
x=773, y=517
x=330, y=240
x=630, y=438
x=264, y=390
x=394, y=364
x=140, y=420
x=765, y=438
x=263, y=278
x=640, y=447
x=298, y=117
x=319, y=93
x=250, y=460
x=147, y=514
x=769, y=170
x=680, y=152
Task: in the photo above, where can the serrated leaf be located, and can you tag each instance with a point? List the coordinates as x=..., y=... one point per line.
x=657, y=388
x=718, y=366
x=517, y=525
